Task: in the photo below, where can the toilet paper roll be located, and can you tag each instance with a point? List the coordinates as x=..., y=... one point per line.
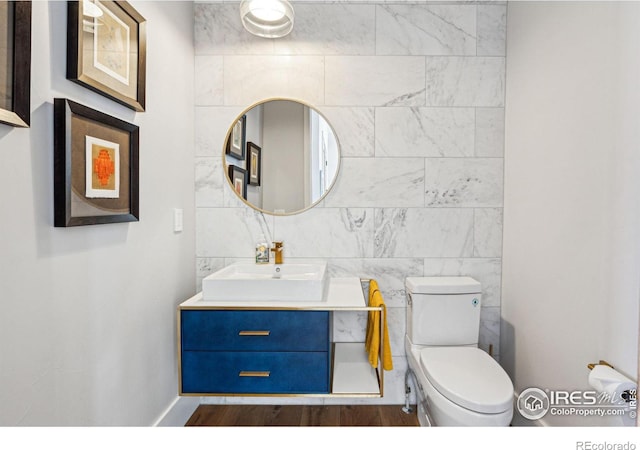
x=608, y=380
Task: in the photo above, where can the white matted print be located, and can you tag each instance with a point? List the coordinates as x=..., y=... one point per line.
x=111, y=45
x=102, y=169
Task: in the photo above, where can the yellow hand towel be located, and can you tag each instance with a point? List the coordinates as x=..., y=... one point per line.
x=372, y=342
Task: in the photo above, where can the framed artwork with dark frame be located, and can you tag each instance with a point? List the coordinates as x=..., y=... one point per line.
x=95, y=164
x=15, y=63
x=238, y=177
x=254, y=163
x=107, y=50
x=237, y=139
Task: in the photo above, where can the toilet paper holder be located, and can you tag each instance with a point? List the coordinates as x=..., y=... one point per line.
x=627, y=395
x=600, y=363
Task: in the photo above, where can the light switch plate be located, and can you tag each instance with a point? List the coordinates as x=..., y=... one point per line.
x=178, y=220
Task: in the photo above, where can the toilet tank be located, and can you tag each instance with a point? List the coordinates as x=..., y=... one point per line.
x=443, y=310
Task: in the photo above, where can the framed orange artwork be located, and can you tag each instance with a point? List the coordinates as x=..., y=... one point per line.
x=238, y=177
x=95, y=167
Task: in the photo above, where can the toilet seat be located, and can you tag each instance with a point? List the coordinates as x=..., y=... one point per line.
x=468, y=377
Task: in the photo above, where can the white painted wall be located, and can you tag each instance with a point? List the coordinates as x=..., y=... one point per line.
x=87, y=329
x=571, y=253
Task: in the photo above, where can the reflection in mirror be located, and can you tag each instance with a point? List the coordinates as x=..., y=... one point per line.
x=290, y=156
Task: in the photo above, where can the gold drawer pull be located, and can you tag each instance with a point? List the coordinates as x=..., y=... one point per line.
x=254, y=333
x=250, y=373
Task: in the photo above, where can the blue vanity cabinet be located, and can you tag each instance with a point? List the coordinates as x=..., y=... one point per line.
x=254, y=352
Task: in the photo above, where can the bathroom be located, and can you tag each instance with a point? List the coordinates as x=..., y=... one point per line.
x=533, y=102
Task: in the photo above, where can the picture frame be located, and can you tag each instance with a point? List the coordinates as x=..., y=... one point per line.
x=238, y=177
x=15, y=52
x=96, y=167
x=236, y=140
x=254, y=163
x=107, y=50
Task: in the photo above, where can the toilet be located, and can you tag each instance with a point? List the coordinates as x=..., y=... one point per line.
x=457, y=383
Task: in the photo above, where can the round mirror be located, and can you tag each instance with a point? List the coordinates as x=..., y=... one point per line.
x=281, y=156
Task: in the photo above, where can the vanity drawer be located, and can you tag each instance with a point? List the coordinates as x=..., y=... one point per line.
x=207, y=330
x=255, y=372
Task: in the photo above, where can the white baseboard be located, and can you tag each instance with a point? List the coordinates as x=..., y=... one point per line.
x=177, y=414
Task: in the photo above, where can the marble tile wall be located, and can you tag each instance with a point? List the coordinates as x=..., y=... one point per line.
x=415, y=93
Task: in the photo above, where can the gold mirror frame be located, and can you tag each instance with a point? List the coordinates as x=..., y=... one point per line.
x=226, y=165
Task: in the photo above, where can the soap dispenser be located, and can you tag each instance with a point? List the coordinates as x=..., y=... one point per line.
x=262, y=251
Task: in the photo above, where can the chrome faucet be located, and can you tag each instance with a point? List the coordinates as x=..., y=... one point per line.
x=277, y=250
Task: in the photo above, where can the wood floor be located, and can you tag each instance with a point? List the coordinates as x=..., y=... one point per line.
x=302, y=416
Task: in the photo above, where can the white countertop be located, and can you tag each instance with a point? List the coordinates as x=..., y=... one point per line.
x=342, y=293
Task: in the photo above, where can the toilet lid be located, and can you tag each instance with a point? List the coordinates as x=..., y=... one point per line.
x=468, y=377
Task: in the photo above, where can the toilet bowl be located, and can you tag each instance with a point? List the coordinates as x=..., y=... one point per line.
x=458, y=384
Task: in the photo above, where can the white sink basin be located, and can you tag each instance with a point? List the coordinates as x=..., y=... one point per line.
x=267, y=282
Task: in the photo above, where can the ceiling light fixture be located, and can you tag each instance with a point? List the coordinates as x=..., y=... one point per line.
x=267, y=18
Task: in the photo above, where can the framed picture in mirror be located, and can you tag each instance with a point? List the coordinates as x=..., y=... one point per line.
x=238, y=177
x=254, y=163
x=106, y=50
x=237, y=139
x=15, y=69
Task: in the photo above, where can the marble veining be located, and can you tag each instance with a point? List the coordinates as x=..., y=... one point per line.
x=389, y=273
x=492, y=30
x=463, y=182
x=489, y=140
x=409, y=98
x=208, y=182
x=487, y=240
x=396, y=321
x=330, y=29
x=219, y=31
x=377, y=81
x=206, y=266
x=378, y=182
x=354, y=129
x=409, y=132
x=209, y=88
x=350, y=326
x=327, y=232
x=209, y=138
x=465, y=81
x=239, y=227
x=412, y=232
x=426, y=30
x=250, y=79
